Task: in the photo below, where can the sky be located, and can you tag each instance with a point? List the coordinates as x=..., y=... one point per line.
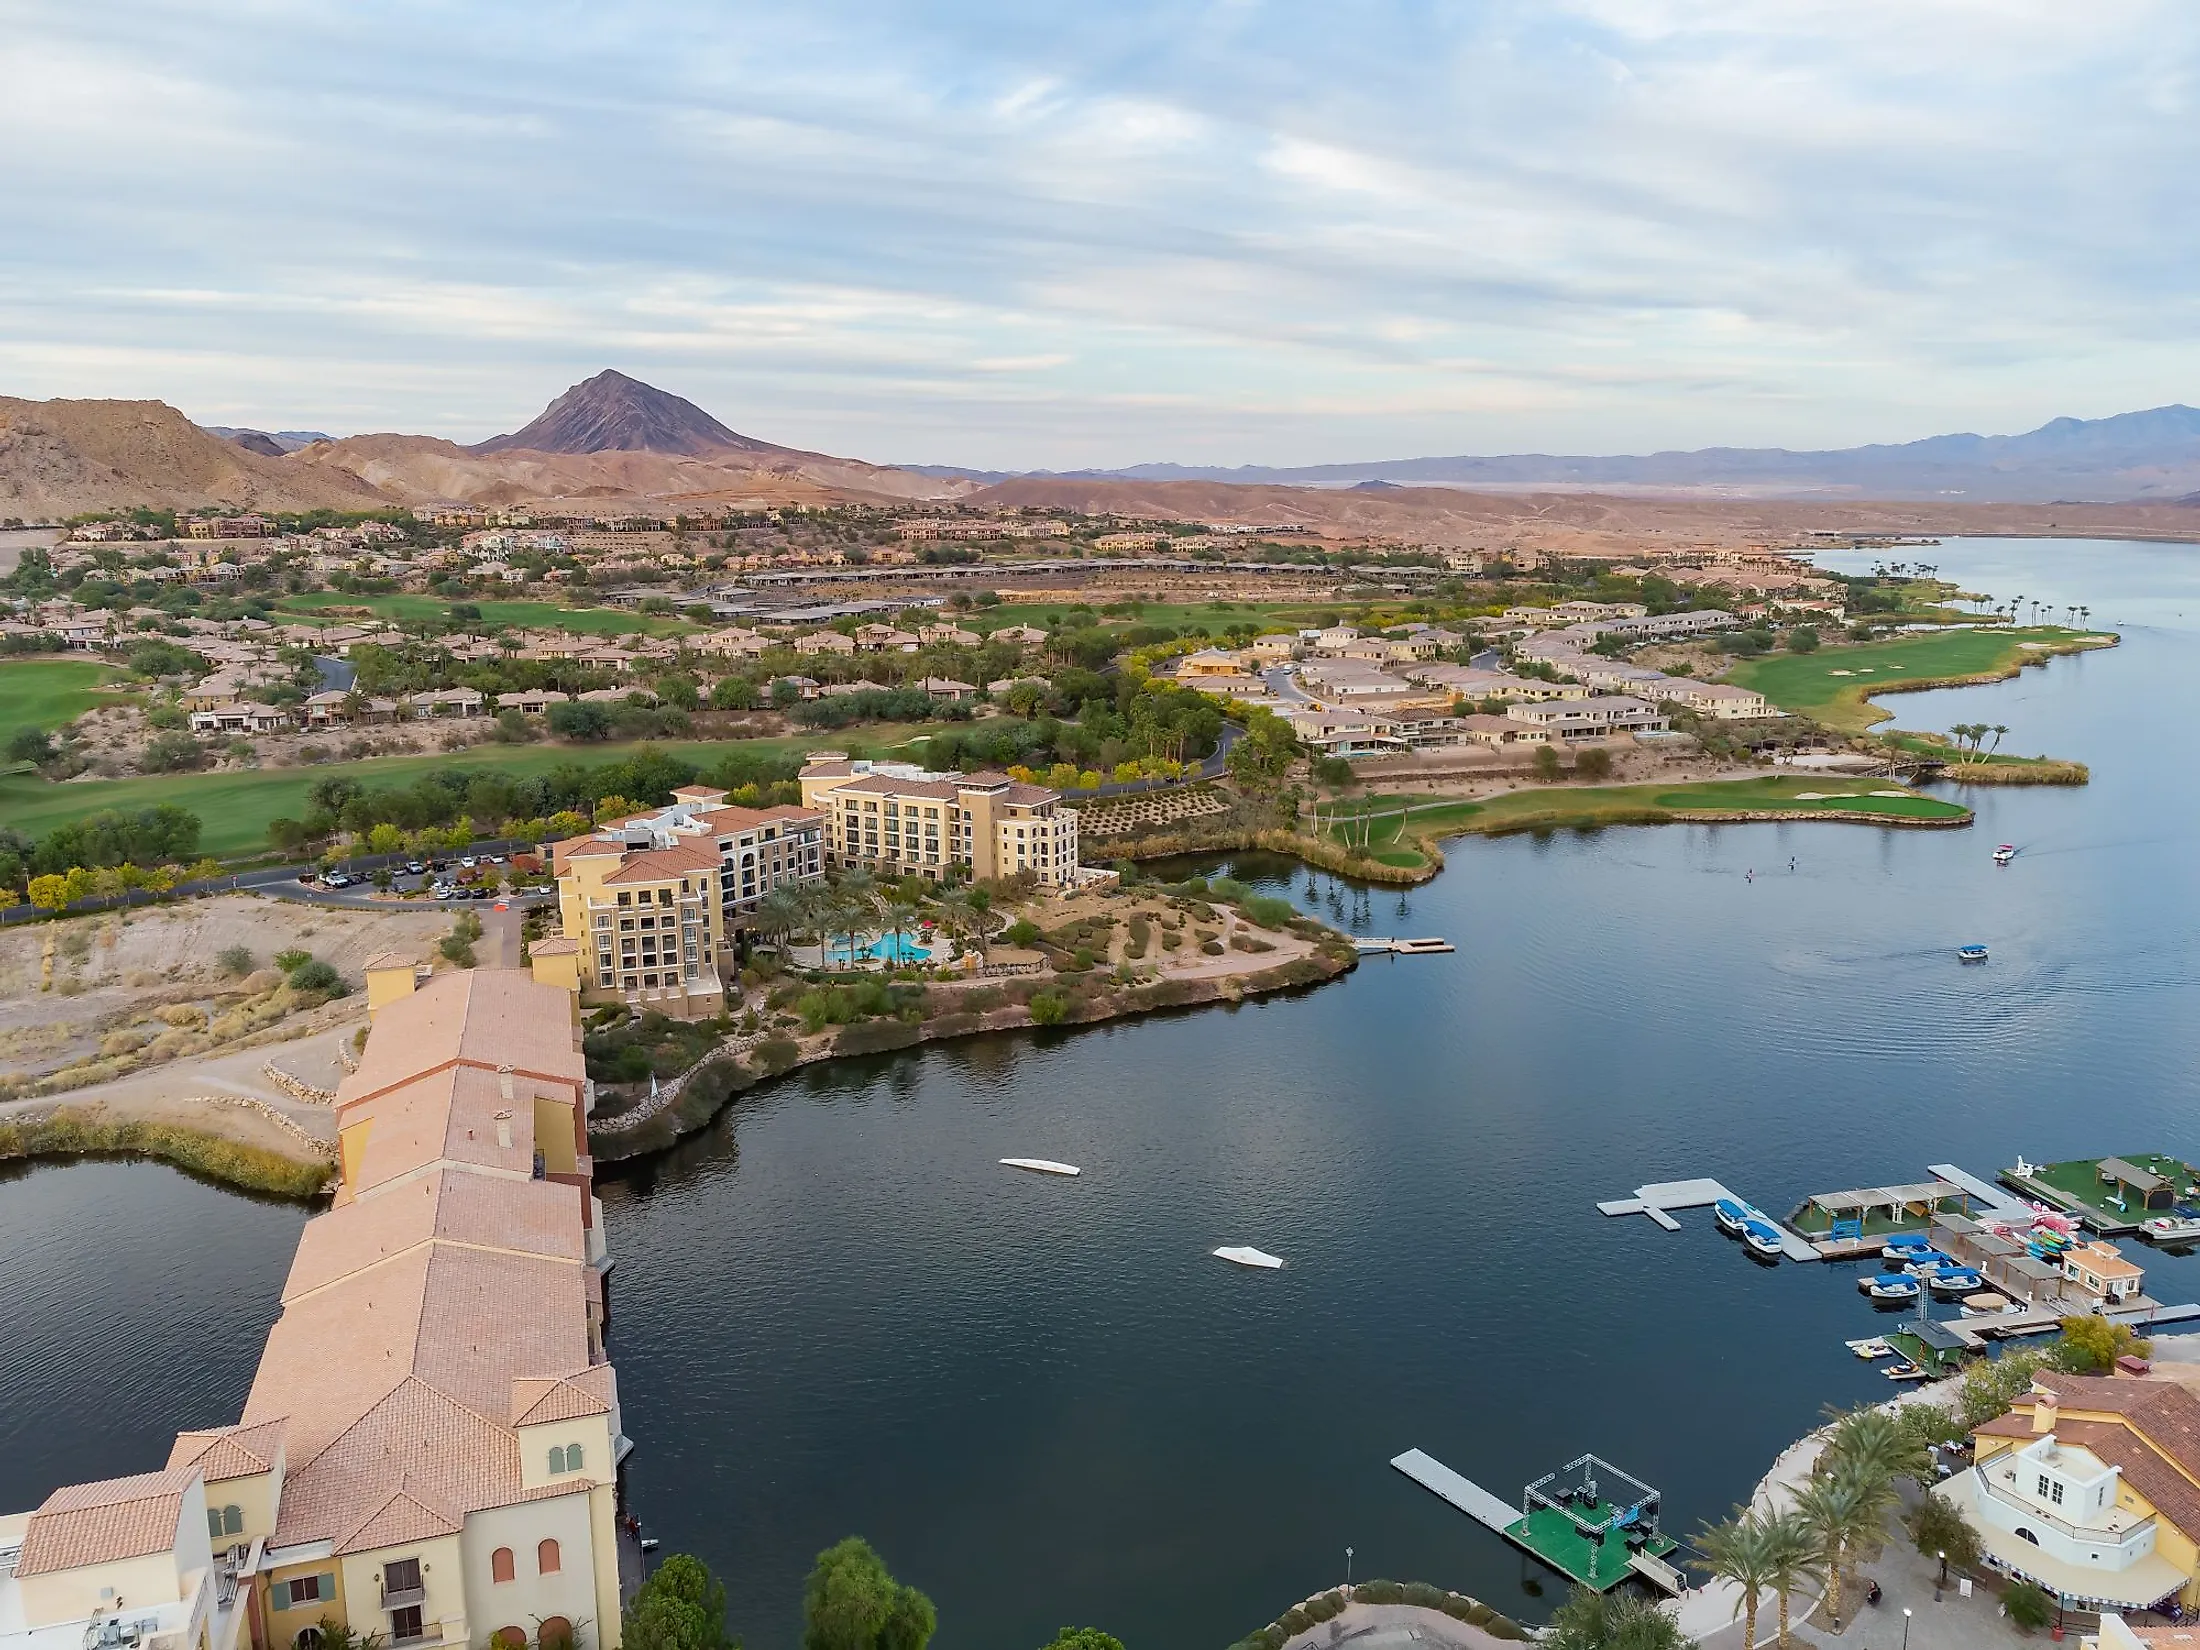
x=997, y=234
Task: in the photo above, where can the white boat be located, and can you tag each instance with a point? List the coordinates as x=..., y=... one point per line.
x=1889, y=1286
x=1763, y=1238
x=1040, y=1165
x=1245, y=1255
x=2005, y=853
x=1870, y=1350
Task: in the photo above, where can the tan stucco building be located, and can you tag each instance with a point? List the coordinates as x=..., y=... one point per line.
x=898, y=820
x=431, y=1448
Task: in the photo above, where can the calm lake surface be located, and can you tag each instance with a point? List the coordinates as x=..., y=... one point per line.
x=1045, y=1402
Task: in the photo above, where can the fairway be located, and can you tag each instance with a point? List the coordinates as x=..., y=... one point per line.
x=46, y=693
x=335, y=608
x=1831, y=685
x=236, y=808
x=1393, y=840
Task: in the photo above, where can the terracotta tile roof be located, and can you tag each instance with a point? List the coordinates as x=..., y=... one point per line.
x=2154, y=1437
x=657, y=864
x=224, y=1453
x=698, y=792
x=540, y=1217
x=556, y=946
x=389, y=959
x=486, y=1017
x=880, y=784
x=748, y=819
x=449, y=1115
x=589, y=1392
x=1029, y=795
x=100, y=1523
x=403, y=1517
x=828, y=770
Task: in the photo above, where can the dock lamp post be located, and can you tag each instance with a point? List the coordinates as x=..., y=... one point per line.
x=1905, y=1627
x=1941, y=1585
x=1348, y=1566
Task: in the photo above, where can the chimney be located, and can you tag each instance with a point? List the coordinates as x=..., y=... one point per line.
x=2044, y=1409
x=504, y=1130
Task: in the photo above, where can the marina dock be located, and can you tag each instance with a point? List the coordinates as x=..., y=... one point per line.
x=1569, y=1523
x=2113, y=1195
x=1855, y=1225
x=1659, y=1200
x=1430, y=947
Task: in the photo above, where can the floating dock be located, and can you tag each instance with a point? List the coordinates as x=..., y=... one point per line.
x=1658, y=1201
x=1405, y=948
x=1566, y=1520
x=2113, y=1195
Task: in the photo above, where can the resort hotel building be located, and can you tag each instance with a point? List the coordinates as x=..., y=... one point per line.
x=651, y=905
x=900, y=820
x=430, y=1452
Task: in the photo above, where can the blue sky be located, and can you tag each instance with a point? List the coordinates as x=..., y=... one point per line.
x=1013, y=235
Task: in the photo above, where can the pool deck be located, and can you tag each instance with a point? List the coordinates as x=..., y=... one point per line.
x=1657, y=1201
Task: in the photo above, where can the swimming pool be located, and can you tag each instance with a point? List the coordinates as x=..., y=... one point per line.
x=893, y=948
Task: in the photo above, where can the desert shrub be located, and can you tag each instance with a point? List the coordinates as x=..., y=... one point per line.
x=181, y=1014
x=1268, y=911
x=1378, y=1592
x=2028, y=1605
x=876, y=1037
x=286, y=961
x=457, y=950
x=1326, y=1606
x=315, y=975
x=235, y=960
x=1049, y=1008
x=774, y=1055
x=1211, y=948
x=1295, y=1621
x=1022, y=932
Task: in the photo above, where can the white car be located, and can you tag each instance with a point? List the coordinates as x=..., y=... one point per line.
x=469, y=861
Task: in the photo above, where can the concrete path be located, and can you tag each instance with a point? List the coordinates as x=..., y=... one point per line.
x=1396, y=1627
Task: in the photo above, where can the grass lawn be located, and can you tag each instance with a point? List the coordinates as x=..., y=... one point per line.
x=46, y=693
x=1393, y=840
x=1831, y=685
x=580, y=621
x=236, y=808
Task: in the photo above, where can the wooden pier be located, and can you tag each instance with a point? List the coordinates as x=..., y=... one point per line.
x=1430, y=947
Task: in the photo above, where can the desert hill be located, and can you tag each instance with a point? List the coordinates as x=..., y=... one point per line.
x=61, y=458
x=614, y=413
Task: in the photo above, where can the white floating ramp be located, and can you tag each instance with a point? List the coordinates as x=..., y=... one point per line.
x=1655, y=1201
x=1658, y=1573
x=1040, y=1165
x=1464, y=1493
x=1999, y=1205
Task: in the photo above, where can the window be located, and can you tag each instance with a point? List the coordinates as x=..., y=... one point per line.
x=405, y=1625
x=500, y=1569
x=2043, y=1486
x=309, y=1638
x=555, y=1633
x=221, y=1521
x=546, y=1558
x=567, y=1457
x=401, y=1575
x=509, y=1638
x=2054, y=1492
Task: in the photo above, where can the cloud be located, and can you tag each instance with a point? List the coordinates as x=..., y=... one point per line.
x=995, y=235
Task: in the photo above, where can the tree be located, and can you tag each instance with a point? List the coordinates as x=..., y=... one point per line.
x=50, y=893
x=1595, y=763
x=680, y=1607
x=2028, y=1605
x=1941, y=1531
x=1082, y=1638
x=1591, y=1620
x=1741, y=1551
x=1841, y=1513
x=1803, y=639
x=30, y=745
x=1546, y=763
x=579, y=720
x=2091, y=1344
x=850, y=1602
x=1790, y=1561
x=733, y=693
x=1878, y=1444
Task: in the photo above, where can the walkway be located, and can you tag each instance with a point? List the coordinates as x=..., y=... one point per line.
x=1396, y=1627
x=1655, y=1201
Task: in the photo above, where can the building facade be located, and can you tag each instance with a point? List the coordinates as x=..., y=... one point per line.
x=430, y=1451
x=899, y=820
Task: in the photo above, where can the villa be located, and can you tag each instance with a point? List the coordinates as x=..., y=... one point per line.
x=899, y=820
x=2090, y=1487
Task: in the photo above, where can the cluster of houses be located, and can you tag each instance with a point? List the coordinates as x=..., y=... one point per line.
x=1350, y=695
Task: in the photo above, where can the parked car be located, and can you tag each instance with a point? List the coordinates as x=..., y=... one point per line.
x=481, y=892
x=442, y=890
x=468, y=861
x=336, y=879
x=492, y=859
x=413, y=867
x=309, y=877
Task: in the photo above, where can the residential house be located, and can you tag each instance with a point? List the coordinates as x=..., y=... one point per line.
x=1599, y=716
x=2089, y=1486
x=333, y=709
x=945, y=688
x=240, y=716
x=1209, y=662
x=885, y=638
x=532, y=701
x=453, y=702
x=825, y=641
x=1023, y=635
x=1501, y=730
x=901, y=820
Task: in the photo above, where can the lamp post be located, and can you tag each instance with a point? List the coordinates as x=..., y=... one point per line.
x=1940, y=1585
x=1905, y=1627
x=1348, y=1566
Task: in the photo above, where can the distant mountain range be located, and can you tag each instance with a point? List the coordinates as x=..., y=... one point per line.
x=267, y=443
x=2152, y=455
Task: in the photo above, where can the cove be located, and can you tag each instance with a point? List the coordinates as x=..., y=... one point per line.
x=1044, y=1400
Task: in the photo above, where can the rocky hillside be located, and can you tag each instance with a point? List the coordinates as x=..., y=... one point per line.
x=614, y=413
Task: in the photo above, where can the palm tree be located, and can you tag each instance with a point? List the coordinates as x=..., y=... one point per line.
x=1791, y=1560
x=901, y=916
x=2001, y=731
x=1841, y=1512
x=1739, y=1551
x=1613, y=1621
x=1877, y=1445
x=778, y=914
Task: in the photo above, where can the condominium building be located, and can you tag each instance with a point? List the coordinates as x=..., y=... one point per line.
x=430, y=1452
x=900, y=820
x=655, y=903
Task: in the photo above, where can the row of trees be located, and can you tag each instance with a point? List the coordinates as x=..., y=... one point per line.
x=103, y=855
x=856, y=903
x=849, y=1602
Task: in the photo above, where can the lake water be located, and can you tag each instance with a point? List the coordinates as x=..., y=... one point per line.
x=1045, y=1402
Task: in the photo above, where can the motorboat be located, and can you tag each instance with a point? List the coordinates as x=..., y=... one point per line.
x=2005, y=853
x=2180, y=1227
x=1904, y=1370
x=1040, y=1165
x=1889, y=1286
x=1870, y=1350
x=1905, y=1246
x=1922, y=1263
x=1987, y=1304
x=1763, y=1238
x=1246, y=1255
x=1731, y=1213
x=1955, y=1280
x=1971, y=953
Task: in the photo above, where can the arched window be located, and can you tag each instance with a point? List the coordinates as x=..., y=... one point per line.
x=557, y=1458
x=500, y=1566
x=309, y=1638
x=510, y=1638
x=2024, y=1534
x=546, y=1558
x=572, y=1458
x=232, y=1520
x=555, y=1633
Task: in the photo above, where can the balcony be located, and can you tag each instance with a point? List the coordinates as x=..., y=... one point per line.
x=399, y=1598
x=2118, y=1529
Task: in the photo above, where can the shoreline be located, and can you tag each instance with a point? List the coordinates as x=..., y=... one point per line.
x=718, y=1080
